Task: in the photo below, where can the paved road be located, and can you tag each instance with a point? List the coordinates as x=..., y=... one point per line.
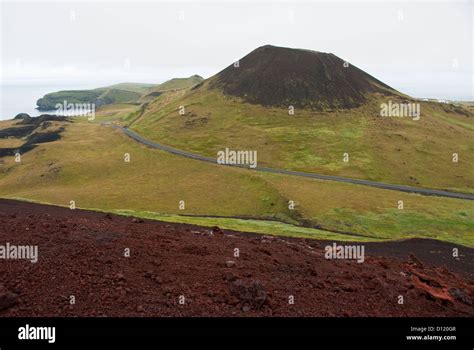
x=402, y=188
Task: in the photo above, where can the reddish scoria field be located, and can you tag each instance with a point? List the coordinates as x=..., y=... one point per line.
x=185, y=270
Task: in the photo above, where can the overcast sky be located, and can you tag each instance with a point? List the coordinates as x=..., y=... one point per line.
x=422, y=48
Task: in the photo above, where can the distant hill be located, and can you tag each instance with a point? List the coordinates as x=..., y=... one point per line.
x=99, y=97
x=141, y=88
x=118, y=93
x=179, y=83
x=173, y=84
x=278, y=76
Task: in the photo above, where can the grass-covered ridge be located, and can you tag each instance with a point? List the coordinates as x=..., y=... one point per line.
x=386, y=149
x=115, y=94
x=87, y=165
x=99, y=97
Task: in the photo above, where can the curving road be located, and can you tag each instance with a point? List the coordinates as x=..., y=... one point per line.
x=402, y=188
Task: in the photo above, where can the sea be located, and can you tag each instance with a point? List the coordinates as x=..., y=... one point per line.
x=21, y=98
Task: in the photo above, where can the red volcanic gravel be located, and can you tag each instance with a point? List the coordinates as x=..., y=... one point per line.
x=185, y=270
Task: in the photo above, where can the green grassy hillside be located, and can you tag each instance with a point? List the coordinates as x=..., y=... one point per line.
x=389, y=149
x=140, y=88
x=178, y=83
x=87, y=165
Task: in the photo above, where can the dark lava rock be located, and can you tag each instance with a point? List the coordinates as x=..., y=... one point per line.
x=44, y=137
x=148, y=274
x=120, y=277
x=229, y=276
x=415, y=260
x=217, y=230
x=36, y=121
x=460, y=295
x=17, y=131
x=7, y=298
x=250, y=293
x=23, y=116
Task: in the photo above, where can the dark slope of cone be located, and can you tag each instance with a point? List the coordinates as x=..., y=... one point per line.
x=277, y=76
